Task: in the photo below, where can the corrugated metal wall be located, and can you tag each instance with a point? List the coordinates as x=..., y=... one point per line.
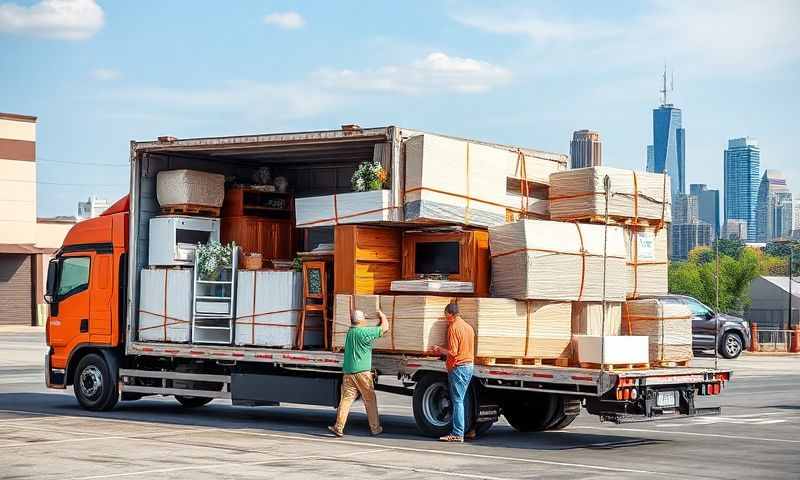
x=16, y=278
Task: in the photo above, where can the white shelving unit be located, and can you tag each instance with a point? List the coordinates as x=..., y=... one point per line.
x=213, y=305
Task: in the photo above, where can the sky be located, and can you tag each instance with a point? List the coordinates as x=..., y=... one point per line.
x=100, y=74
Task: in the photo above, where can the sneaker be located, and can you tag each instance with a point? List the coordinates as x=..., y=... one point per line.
x=452, y=439
x=377, y=432
x=338, y=433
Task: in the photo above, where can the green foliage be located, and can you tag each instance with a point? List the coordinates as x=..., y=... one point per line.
x=697, y=277
x=729, y=247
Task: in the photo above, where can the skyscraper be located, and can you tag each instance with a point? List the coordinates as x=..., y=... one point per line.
x=742, y=162
x=651, y=161
x=774, y=207
x=685, y=209
x=687, y=236
x=707, y=205
x=585, y=149
x=669, y=152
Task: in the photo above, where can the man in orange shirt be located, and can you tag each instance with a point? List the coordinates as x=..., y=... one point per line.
x=460, y=353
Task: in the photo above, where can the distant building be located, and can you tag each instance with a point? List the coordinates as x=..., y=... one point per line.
x=769, y=297
x=93, y=207
x=774, y=208
x=651, y=159
x=687, y=236
x=735, y=229
x=707, y=205
x=669, y=149
x=742, y=163
x=585, y=149
x=685, y=209
x=796, y=217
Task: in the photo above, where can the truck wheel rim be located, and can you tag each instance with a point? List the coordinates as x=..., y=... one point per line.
x=91, y=381
x=436, y=405
x=732, y=346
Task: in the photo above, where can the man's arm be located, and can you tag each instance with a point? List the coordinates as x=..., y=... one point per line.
x=384, y=322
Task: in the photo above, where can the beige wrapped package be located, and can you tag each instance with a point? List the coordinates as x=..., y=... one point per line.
x=646, y=250
x=579, y=194
x=504, y=328
x=544, y=260
x=587, y=318
x=355, y=207
x=458, y=181
x=668, y=325
x=190, y=187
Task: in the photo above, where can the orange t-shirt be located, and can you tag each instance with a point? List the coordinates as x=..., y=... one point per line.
x=460, y=343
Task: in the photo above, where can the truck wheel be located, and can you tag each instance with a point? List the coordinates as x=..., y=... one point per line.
x=731, y=345
x=433, y=411
x=532, y=413
x=94, y=384
x=567, y=410
x=192, y=402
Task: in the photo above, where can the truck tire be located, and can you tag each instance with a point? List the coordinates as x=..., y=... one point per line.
x=731, y=345
x=567, y=410
x=94, y=384
x=432, y=407
x=192, y=402
x=534, y=412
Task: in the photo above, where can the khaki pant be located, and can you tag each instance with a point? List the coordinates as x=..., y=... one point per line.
x=352, y=385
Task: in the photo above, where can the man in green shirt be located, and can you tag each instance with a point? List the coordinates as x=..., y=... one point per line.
x=357, y=370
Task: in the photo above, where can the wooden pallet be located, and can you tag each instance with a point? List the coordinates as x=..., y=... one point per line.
x=490, y=361
x=191, y=209
x=622, y=221
x=616, y=366
x=671, y=364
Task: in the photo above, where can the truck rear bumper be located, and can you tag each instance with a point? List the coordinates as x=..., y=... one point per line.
x=619, y=418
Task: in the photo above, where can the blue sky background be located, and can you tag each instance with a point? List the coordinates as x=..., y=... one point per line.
x=101, y=74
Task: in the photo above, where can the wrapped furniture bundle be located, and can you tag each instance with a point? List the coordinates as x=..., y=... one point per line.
x=666, y=322
x=504, y=328
x=355, y=207
x=457, y=181
x=165, y=305
x=646, y=250
x=544, y=260
x=593, y=350
x=579, y=194
x=268, y=307
x=190, y=187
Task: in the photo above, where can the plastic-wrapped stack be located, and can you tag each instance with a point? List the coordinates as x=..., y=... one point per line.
x=668, y=324
x=355, y=207
x=504, y=328
x=545, y=260
x=165, y=305
x=268, y=305
x=190, y=187
x=457, y=181
x=646, y=250
x=580, y=194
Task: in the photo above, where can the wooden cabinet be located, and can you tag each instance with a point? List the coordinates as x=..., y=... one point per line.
x=274, y=239
x=251, y=202
x=366, y=259
x=473, y=256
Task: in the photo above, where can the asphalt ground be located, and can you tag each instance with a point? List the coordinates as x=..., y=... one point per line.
x=45, y=434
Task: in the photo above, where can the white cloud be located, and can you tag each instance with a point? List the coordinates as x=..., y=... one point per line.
x=435, y=72
x=106, y=74
x=62, y=19
x=694, y=35
x=286, y=20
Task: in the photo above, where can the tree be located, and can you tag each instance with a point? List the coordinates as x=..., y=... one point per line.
x=730, y=247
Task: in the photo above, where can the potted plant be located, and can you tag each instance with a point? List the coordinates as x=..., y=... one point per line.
x=370, y=175
x=212, y=258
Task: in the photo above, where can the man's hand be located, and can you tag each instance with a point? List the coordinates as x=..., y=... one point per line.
x=439, y=350
x=384, y=322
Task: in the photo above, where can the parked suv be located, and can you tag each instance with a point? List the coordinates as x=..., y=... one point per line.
x=734, y=332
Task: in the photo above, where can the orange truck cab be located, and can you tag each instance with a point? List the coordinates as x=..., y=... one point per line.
x=86, y=291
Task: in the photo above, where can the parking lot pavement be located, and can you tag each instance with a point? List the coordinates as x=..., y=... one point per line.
x=44, y=434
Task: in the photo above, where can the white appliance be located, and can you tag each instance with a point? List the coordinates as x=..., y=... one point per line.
x=174, y=238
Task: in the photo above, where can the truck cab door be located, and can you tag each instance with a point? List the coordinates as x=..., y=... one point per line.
x=101, y=302
x=70, y=305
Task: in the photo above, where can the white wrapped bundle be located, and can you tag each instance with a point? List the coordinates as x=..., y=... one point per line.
x=579, y=193
x=587, y=318
x=622, y=351
x=504, y=328
x=432, y=286
x=165, y=305
x=457, y=181
x=192, y=187
x=646, y=250
x=668, y=324
x=268, y=306
x=544, y=260
x=355, y=207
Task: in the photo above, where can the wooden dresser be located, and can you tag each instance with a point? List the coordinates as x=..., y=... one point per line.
x=367, y=259
x=261, y=222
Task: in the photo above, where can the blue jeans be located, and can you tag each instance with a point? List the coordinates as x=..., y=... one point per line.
x=459, y=379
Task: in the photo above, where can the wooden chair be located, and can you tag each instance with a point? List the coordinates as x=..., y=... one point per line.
x=315, y=299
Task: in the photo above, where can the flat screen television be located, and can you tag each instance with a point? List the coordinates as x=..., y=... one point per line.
x=441, y=258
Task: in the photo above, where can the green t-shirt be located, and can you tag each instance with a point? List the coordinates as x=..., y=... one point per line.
x=358, y=349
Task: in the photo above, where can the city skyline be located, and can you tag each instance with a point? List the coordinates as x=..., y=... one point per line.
x=742, y=169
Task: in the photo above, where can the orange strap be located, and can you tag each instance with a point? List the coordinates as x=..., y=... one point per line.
x=627, y=317
x=663, y=200
x=336, y=219
x=253, y=330
x=528, y=308
x=168, y=321
x=583, y=261
x=274, y=312
x=523, y=171
x=166, y=297
x=391, y=326
x=645, y=317
x=546, y=250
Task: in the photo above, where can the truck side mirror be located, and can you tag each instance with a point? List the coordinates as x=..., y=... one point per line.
x=52, y=286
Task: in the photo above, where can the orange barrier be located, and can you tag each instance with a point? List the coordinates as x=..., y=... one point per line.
x=754, y=347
